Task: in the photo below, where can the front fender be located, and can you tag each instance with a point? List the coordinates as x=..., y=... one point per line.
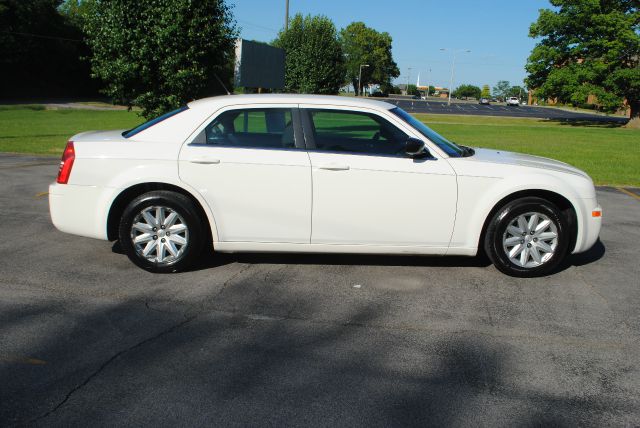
x=478, y=196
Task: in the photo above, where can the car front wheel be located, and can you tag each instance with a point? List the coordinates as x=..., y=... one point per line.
x=528, y=237
x=161, y=231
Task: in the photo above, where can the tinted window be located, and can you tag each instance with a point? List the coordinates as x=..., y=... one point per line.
x=149, y=124
x=447, y=146
x=355, y=132
x=259, y=128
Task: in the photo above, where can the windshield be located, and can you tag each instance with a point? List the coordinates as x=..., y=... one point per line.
x=447, y=146
x=149, y=124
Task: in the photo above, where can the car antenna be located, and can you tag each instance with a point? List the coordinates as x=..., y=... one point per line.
x=221, y=84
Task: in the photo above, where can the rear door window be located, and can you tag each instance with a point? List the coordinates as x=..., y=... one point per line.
x=269, y=128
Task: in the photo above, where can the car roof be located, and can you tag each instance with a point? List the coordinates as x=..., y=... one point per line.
x=289, y=98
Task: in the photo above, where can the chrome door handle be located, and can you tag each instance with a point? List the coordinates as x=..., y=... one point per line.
x=334, y=167
x=205, y=161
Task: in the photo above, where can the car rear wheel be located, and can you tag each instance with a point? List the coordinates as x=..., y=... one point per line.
x=161, y=231
x=528, y=237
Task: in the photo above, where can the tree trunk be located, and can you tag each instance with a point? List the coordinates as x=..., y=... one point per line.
x=634, y=118
x=356, y=89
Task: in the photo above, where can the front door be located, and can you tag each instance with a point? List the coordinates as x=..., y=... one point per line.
x=367, y=191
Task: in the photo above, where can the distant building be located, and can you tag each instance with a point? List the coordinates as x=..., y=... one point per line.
x=438, y=90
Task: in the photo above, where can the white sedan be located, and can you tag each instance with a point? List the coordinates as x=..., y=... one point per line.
x=316, y=174
x=513, y=101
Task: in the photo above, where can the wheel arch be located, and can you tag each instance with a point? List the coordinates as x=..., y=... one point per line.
x=566, y=207
x=127, y=195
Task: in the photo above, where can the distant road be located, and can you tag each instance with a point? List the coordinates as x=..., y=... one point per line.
x=497, y=109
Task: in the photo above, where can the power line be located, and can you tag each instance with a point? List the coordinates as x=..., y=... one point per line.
x=251, y=24
x=40, y=36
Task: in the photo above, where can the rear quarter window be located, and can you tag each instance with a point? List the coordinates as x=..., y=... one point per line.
x=150, y=123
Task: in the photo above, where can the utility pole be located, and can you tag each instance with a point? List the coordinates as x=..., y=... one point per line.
x=453, y=66
x=408, y=77
x=360, y=79
x=286, y=16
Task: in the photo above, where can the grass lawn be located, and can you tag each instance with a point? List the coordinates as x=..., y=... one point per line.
x=610, y=155
x=32, y=129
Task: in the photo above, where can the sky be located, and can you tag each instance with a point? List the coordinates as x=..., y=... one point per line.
x=495, y=31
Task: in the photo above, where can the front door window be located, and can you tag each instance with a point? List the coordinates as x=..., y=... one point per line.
x=356, y=132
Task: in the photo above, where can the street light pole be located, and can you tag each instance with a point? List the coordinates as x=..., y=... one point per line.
x=453, y=66
x=360, y=79
x=286, y=16
x=408, y=78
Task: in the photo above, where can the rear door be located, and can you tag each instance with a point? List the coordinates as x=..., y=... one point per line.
x=250, y=165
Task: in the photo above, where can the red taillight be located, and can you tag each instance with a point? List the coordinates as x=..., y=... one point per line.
x=68, y=156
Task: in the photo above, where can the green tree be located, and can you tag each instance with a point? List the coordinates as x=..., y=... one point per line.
x=160, y=54
x=75, y=10
x=314, y=62
x=486, y=92
x=40, y=51
x=501, y=90
x=412, y=90
x=517, y=91
x=364, y=45
x=589, y=47
x=466, y=91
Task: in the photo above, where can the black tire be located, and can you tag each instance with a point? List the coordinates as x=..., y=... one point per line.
x=188, y=216
x=503, y=217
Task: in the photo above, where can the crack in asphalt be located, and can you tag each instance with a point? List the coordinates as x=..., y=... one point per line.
x=606, y=302
x=484, y=303
x=208, y=305
x=147, y=305
x=224, y=286
x=114, y=357
x=493, y=332
x=106, y=364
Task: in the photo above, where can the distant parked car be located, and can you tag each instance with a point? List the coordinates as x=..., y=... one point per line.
x=484, y=101
x=513, y=101
x=415, y=97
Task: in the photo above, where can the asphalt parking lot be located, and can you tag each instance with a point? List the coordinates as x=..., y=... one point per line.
x=290, y=340
x=498, y=109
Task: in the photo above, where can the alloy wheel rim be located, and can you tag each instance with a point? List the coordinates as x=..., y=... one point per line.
x=159, y=234
x=530, y=240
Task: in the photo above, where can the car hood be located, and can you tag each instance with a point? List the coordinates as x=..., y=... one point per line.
x=519, y=159
x=113, y=135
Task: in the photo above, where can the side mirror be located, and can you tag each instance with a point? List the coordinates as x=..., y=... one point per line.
x=415, y=148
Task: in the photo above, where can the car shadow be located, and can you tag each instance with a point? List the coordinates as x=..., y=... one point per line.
x=117, y=248
x=210, y=260
x=591, y=256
